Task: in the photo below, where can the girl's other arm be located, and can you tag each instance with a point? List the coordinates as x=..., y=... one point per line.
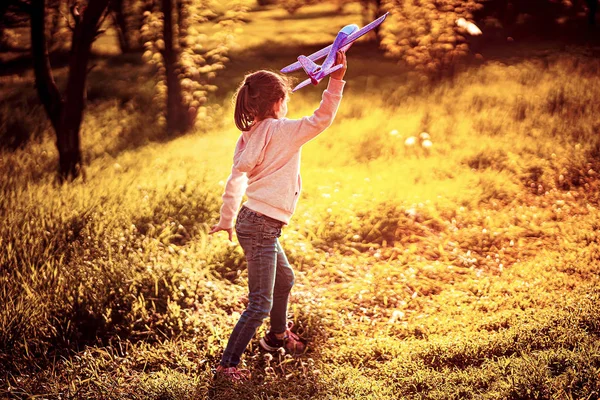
x=234, y=190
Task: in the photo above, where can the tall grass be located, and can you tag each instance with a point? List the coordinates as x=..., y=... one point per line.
x=465, y=271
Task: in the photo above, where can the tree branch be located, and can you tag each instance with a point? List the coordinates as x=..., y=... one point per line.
x=102, y=19
x=44, y=80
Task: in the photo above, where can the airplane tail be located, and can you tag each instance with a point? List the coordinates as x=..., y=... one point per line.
x=311, y=80
x=309, y=67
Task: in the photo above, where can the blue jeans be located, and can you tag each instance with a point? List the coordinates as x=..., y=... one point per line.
x=270, y=280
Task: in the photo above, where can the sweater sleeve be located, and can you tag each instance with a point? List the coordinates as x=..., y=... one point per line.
x=234, y=189
x=304, y=129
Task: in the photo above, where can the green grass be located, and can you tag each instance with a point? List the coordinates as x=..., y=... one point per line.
x=468, y=271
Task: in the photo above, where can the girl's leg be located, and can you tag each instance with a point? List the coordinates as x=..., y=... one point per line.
x=284, y=280
x=259, y=242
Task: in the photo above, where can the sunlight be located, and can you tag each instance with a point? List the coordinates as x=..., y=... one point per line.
x=445, y=241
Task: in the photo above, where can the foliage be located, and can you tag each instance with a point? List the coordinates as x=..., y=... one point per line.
x=203, y=49
x=292, y=6
x=424, y=33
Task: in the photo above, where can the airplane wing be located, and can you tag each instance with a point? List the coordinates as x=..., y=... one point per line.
x=301, y=85
x=365, y=29
x=351, y=38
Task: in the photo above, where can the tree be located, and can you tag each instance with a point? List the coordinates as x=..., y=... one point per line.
x=592, y=9
x=127, y=16
x=424, y=33
x=118, y=11
x=426, y=36
x=66, y=111
x=187, y=59
x=178, y=119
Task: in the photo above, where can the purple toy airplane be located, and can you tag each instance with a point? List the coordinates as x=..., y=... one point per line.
x=344, y=39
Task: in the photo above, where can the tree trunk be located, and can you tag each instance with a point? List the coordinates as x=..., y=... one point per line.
x=44, y=81
x=65, y=114
x=592, y=9
x=118, y=13
x=177, y=117
x=68, y=141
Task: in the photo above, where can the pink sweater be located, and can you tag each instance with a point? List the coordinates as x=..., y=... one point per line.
x=266, y=163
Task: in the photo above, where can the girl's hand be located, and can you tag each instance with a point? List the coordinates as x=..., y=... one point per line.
x=217, y=228
x=340, y=58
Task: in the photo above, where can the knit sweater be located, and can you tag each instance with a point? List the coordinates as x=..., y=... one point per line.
x=266, y=164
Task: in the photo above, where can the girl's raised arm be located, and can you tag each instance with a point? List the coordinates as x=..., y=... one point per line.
x=304, y=129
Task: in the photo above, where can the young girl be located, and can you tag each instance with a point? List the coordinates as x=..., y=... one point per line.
x=266, y=165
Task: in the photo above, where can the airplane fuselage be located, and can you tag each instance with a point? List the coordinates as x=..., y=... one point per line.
x=321, y=72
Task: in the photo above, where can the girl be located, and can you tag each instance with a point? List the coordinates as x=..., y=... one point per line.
x=266, y=165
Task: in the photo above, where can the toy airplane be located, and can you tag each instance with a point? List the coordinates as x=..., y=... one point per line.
x=344, y=39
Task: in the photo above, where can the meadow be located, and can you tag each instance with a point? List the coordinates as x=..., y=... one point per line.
x=469, y=270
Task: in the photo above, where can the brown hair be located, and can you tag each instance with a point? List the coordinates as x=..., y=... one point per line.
x=255, y=97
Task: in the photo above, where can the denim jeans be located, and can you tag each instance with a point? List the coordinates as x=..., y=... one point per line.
x=270, y=279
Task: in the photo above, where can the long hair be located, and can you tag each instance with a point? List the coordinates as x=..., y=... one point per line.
x=257, y=95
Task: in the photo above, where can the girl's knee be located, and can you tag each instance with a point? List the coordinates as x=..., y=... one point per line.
x=259, y=309
x=292, y=279
x=285, y=286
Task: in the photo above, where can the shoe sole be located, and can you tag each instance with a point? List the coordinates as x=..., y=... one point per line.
x=264, y=345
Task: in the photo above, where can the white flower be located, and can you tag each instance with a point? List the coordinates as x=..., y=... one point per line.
x=410, y=141
x=396, y=315
x=470, y=27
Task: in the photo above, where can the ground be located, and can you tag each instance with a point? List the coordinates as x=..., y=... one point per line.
x=466, y=270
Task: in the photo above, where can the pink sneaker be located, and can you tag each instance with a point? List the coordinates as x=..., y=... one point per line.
x=233, y=373
x=291, y=342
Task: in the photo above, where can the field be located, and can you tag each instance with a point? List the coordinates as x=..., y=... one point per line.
x=466, y=271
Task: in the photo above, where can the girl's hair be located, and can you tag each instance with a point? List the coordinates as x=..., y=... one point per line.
x=255, y=97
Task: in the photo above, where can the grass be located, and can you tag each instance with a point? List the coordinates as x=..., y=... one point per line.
x=467, y=271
